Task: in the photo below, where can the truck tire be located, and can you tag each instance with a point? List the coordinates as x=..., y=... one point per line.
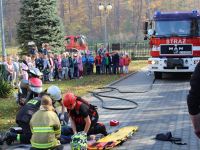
x=158, y=75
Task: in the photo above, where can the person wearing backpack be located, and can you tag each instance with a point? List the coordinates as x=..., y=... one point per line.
x=82, y=115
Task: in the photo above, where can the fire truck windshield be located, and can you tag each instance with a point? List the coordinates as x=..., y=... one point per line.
x=173, y=28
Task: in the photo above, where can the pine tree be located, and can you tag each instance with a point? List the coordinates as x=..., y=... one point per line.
x=39, y=23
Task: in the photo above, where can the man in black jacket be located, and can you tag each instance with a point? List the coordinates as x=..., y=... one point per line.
x=193, y=100
x=115, y=60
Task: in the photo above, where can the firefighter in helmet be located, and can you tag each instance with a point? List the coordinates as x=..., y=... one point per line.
x=83, y=116
x=27, y=87
x=24, y=115
x=55, y=93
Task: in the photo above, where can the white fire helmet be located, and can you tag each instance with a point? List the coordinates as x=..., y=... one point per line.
x=54, y=92
x=35, y=72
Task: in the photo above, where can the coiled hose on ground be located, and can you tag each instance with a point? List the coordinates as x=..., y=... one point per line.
x=99, y=96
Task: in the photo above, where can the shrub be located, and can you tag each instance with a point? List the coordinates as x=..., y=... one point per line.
x=6, y=89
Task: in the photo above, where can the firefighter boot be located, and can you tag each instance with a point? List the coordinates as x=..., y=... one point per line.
x=10, y=137
x=100, y=127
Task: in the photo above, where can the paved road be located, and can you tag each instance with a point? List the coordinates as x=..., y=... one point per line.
x=162, y=107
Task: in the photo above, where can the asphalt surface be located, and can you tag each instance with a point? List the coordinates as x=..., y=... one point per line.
x=161, y=108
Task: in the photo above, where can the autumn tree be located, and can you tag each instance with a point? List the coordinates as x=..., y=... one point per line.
x=124, y=22
x=39, y=23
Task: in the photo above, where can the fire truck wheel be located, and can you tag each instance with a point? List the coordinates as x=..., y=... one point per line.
x=158, y=75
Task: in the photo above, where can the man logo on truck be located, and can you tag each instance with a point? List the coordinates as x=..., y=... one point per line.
x=175, y=49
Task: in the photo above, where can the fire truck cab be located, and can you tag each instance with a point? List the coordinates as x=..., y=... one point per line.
x=75, y=43
x=174, y=39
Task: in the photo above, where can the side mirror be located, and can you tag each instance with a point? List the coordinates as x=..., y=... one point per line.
x=145, y=27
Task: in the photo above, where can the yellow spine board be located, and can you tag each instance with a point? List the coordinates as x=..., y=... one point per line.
x=120, y=134
x=116, y=137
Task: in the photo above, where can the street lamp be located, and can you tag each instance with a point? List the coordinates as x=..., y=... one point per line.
x=2, y=32
x=106, y=8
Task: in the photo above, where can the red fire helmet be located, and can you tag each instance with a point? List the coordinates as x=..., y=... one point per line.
x=69, y=100
x=35, y=84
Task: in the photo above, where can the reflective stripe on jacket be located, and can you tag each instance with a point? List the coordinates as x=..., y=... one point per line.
x=42, y=129
x=44, y=146
x=46, y=129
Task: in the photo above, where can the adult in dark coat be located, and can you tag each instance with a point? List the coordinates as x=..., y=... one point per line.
x=115, y=60
x=193, y=100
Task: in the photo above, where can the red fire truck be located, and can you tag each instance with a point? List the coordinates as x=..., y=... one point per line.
x=174, y=39
x=75, y=43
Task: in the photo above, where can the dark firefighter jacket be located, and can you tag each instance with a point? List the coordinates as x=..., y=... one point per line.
x=193, y=98
x=26, y=112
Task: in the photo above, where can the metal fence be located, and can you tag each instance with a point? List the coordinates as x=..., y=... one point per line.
x=137, y=50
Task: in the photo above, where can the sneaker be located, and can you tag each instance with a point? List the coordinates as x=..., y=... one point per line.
x=100, y=127
x=10, y=137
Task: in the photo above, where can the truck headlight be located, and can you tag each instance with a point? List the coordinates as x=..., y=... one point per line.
x=196, y=61
x=154, y=62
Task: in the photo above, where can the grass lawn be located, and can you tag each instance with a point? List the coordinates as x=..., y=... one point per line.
x=8, y=107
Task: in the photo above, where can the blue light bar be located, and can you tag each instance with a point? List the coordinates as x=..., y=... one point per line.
x=177, y=15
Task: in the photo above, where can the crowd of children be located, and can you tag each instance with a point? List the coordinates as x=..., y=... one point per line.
x=66, y=65
x=112, y=63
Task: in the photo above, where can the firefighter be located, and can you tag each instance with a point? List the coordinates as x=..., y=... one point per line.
x=24, y=115
x=83, y=116
x=193, y=100
x=55, y=94
x=45, y=126
x=28, y=88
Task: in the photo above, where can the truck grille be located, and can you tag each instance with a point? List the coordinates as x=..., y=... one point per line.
x=178, y=49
